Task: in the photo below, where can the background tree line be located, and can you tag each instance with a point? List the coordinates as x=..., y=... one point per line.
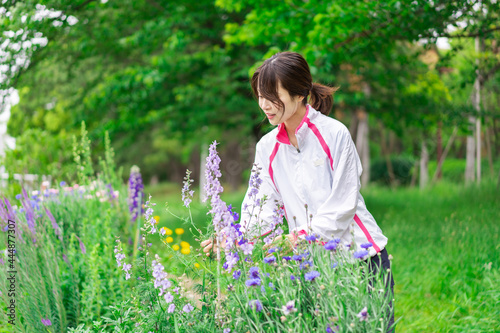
x=165, y=78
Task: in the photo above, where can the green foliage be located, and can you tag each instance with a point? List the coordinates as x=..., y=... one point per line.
x=40, y=152
x=402, y=167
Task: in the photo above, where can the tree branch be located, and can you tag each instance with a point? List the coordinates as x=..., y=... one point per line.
x=477, y=34
x=488, y=75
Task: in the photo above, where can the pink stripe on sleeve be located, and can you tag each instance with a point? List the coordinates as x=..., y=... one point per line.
x=365, y=231
x=321, y=140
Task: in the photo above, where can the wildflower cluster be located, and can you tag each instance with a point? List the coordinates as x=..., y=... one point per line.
x=187, y=195
x=161, y=282
x=119, y=257
x=149, y=219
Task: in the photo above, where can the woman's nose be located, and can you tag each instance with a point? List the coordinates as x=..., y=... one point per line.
x=265, y=104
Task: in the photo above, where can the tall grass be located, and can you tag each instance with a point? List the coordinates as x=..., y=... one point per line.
x=64, y=251
x=445, y=242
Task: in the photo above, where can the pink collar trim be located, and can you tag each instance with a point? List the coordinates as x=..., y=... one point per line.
x=282, y=135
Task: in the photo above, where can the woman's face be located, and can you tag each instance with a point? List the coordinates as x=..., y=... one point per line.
x=274, y=114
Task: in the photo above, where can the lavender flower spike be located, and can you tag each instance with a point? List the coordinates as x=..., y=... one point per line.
x=135, y=193
x=187, y=195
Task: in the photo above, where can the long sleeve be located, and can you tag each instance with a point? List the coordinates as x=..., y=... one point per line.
x=256, y=220
x=336, y=213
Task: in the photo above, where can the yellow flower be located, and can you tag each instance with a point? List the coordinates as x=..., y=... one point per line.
x=196, y=265
x=169, y=239
x=168, y=231
x=185, y=244
x=179, y=231
x=157, y=218
x=185, y=250
x=175, y=247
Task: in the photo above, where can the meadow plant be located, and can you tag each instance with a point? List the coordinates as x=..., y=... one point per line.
x=135, y=193
x=63, y=253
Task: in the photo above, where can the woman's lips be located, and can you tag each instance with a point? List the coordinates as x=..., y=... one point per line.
x=270, y=116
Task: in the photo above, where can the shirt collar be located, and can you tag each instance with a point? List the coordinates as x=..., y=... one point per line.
x=282, y=135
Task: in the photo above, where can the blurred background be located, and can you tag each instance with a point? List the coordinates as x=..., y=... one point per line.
x=419, y=82
x=419, y=85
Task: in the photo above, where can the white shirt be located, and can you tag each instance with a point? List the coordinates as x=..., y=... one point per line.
x=322, y=173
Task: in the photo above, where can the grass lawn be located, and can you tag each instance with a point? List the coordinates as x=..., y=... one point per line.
x=444, y=241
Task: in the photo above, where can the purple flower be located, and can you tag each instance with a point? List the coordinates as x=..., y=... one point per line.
x=171, y=308
x=55, y=226
x=161, y=282
x=187, y=195
x=271, y=285
x=288, y=308
x=135, y=193
x=18, y=197
x=187, y=308
x=366, y=245
x=226, y=330
x=82, y=246
x=30, y=213
x=292, y=277
x=232, y=259
x=46, y=322
x=168, y=297
x=305, y=265
x=363, y=314
x=360, y=254
x=236, y=274
x=273, y=249
x=310, y=276
x=331, y=245
x=252, y=282
x=126, y=268
x=62, y=183
x=297, y=257
x=235, y=215
x=255, y=305
x=247, y=248
x=269, y=260
x=330, y=328
x=334, y=265
x=311, y=238
x=287, y=258
x=254, y=272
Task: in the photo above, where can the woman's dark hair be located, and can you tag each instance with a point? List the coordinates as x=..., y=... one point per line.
x=292, y=71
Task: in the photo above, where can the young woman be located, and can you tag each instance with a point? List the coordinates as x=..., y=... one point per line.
x=309, y=162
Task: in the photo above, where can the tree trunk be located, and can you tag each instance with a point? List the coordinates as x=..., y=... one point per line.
x=488, y=150
x=363, y=138
x=477, y=106
x=439, y=148
x=203, y=161
x=386, y=154
x=470, y=156
x=424, y=163
x=443, y=156
x=362, y=145
x=414, y=175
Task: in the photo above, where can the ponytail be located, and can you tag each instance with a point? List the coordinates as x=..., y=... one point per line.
x=321, y=98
